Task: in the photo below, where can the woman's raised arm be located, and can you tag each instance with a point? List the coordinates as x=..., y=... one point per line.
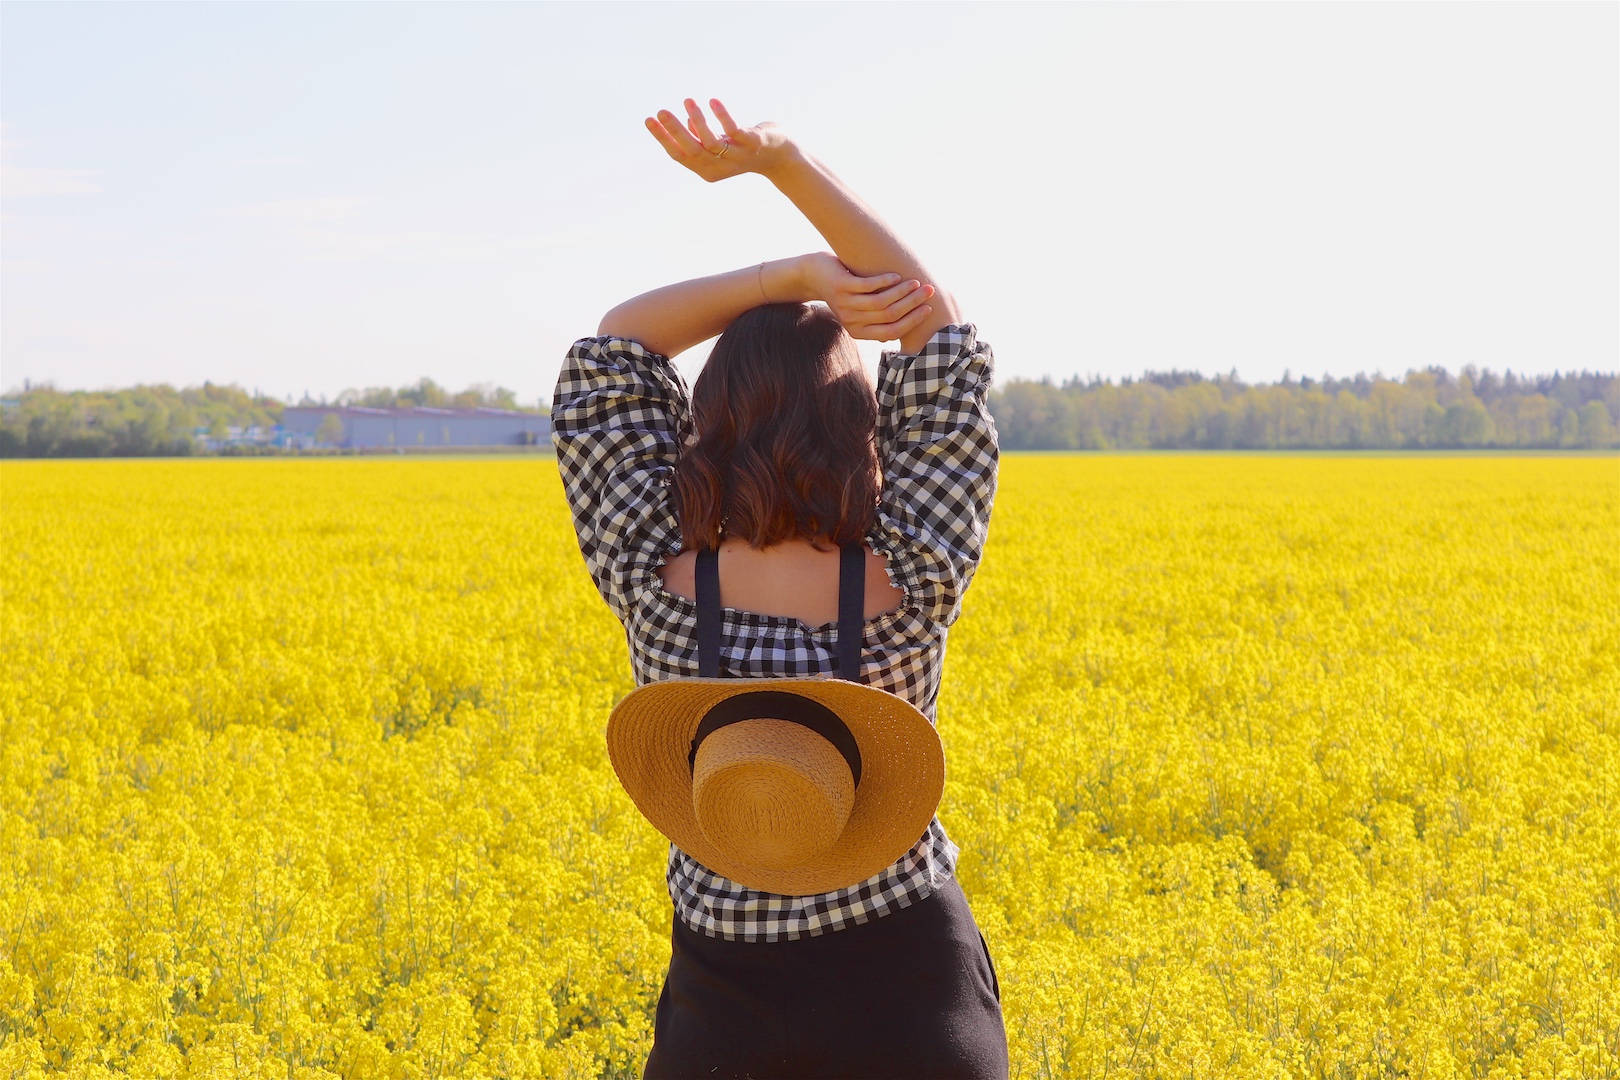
x=861, y=240
x=671, y=319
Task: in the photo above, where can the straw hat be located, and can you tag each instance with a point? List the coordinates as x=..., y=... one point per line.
x=788, y=786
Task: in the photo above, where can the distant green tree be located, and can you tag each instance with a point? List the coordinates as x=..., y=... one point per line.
x=1466, y=423
x=426, y=392
x=1569, y=428
x=1596, y=429
x=330, y=431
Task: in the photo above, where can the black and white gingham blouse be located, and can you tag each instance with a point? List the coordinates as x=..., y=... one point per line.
x=619, y=416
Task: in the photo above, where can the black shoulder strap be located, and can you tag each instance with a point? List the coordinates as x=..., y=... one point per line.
x=708, y=613
x=851, y=606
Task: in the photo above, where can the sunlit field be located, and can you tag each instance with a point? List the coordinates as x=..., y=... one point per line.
x=1260, y=766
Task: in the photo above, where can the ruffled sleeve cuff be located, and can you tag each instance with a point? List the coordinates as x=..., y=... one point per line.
x=939, y=451
x=618, y=417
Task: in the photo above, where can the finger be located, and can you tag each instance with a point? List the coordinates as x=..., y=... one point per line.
x=860, y=286
x=877, y=301
x=890, y=313
x=661, y=131
x=683, y=138
x=699, y=125
x=727, y=124
x=871, y=305
x=907, y=303
x=904, y=326
x=665, y=140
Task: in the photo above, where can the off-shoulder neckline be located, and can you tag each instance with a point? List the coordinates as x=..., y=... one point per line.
x=746, y=618
x=655, y=583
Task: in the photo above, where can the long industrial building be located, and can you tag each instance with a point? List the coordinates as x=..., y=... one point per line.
x=362, y=428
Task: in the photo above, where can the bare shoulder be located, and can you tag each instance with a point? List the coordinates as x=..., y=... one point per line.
x=881, y=597
x=794, y=579
x=680, y=574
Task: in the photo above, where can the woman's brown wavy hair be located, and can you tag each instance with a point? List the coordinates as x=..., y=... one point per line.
x=785, y=426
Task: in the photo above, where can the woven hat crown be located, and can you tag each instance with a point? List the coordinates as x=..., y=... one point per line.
x=771, y=794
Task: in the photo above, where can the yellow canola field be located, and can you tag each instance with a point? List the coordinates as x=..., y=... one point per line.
x=1260, y=766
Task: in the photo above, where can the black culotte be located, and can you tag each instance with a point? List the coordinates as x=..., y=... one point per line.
x=910, y=994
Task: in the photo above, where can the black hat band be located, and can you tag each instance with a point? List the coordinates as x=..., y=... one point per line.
x=780, y=705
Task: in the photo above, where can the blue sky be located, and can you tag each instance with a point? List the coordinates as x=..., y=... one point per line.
x=309, y=197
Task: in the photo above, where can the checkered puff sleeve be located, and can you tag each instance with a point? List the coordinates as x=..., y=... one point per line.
x=618, y=418
x=939, y=452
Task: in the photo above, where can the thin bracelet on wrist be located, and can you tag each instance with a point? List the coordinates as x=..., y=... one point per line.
x=760, y=277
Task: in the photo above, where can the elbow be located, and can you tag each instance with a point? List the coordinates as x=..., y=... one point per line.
x=620, y=321
x=627, y=326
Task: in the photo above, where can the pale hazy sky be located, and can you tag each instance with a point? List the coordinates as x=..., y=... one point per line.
x=318, y=196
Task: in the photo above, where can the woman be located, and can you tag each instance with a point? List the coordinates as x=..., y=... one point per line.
x=783, y=453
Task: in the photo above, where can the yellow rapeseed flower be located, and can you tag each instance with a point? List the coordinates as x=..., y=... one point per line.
x=1260, y=766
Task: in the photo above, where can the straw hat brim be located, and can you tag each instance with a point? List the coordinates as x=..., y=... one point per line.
x=649, y=738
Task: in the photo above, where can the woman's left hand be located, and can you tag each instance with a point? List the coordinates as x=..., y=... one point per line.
x=880, y=308
x=738, y=150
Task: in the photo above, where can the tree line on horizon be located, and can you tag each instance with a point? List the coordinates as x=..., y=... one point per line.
x=1428, y=409
x=158, y=420
x=1176, y=410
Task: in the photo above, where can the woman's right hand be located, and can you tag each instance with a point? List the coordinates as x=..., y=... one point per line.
x=879, y=308
x=738, y=150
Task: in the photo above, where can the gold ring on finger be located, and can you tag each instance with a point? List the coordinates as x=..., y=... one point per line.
x=722, y=151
